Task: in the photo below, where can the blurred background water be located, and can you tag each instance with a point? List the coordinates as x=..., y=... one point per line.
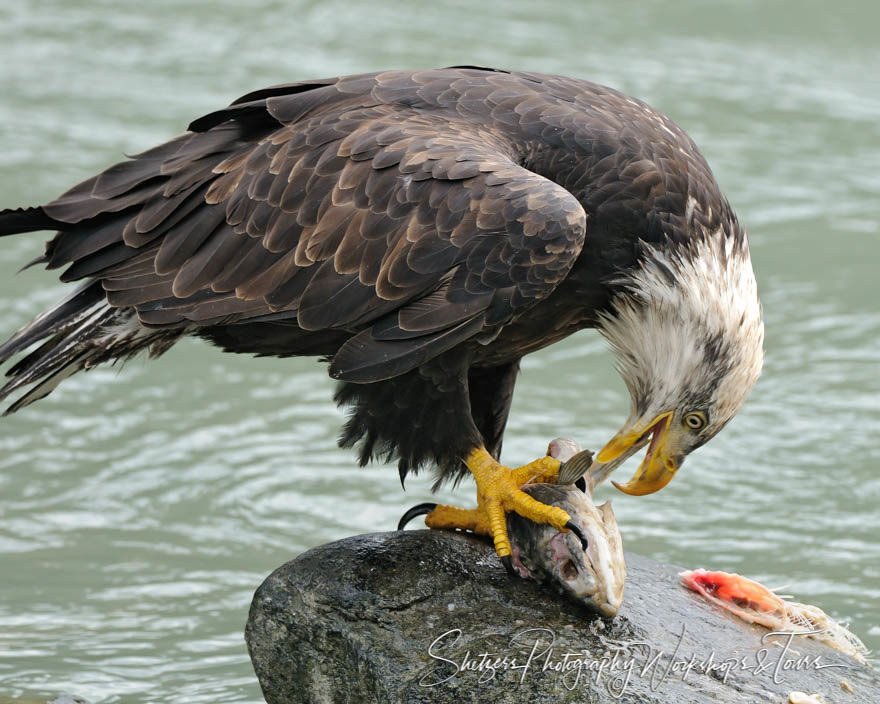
x=139, y=509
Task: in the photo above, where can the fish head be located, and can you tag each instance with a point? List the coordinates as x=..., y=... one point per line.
x=593, y=574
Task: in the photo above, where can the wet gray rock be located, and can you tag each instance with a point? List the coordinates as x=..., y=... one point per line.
x=430, y=616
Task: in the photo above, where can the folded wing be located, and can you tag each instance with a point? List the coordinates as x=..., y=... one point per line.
x=315, y=204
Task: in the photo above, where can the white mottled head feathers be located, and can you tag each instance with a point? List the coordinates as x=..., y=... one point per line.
x=687, y=328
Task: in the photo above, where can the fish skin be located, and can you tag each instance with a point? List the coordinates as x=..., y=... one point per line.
x=595, y=576
x=754, y=603
x=745, y=597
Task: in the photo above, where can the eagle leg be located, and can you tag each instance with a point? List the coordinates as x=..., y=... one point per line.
x=498, y=492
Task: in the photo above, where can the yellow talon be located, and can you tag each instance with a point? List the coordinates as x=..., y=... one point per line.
x=498, y=492
x=542, y=471
x=462, y=518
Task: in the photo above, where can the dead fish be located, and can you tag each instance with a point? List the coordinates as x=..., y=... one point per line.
x=755, y=603
x=586, y=563
x=593, y=573
x=589, y=568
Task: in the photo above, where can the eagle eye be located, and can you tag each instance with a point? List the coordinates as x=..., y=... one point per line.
x=695, y=420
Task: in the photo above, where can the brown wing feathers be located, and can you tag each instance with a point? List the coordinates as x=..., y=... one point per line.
x=343, y=203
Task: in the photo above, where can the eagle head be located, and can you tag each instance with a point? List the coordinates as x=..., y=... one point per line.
x=687, y=331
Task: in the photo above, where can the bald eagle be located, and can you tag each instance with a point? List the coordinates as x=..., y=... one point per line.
x=420, y=231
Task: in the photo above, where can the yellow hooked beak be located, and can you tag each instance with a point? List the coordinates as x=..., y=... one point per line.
x=659, y=465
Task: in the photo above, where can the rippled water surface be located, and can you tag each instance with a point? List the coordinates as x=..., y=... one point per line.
x=140, y=508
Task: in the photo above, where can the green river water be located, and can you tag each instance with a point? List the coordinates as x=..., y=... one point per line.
x=139, y=509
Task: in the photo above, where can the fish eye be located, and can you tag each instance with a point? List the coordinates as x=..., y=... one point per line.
x=695, y=420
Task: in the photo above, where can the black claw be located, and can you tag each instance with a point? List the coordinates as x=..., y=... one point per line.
x=419, y=510
x=508, y=565
x=577, y=531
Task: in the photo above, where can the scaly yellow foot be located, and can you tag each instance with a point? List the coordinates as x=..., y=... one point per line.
x=498, y=492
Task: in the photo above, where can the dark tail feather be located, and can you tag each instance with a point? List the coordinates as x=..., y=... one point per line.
x=42, y=259
x=16, y=220
x=66, y=312
x=45, y=387
x=67, y=347
x=83, y=330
